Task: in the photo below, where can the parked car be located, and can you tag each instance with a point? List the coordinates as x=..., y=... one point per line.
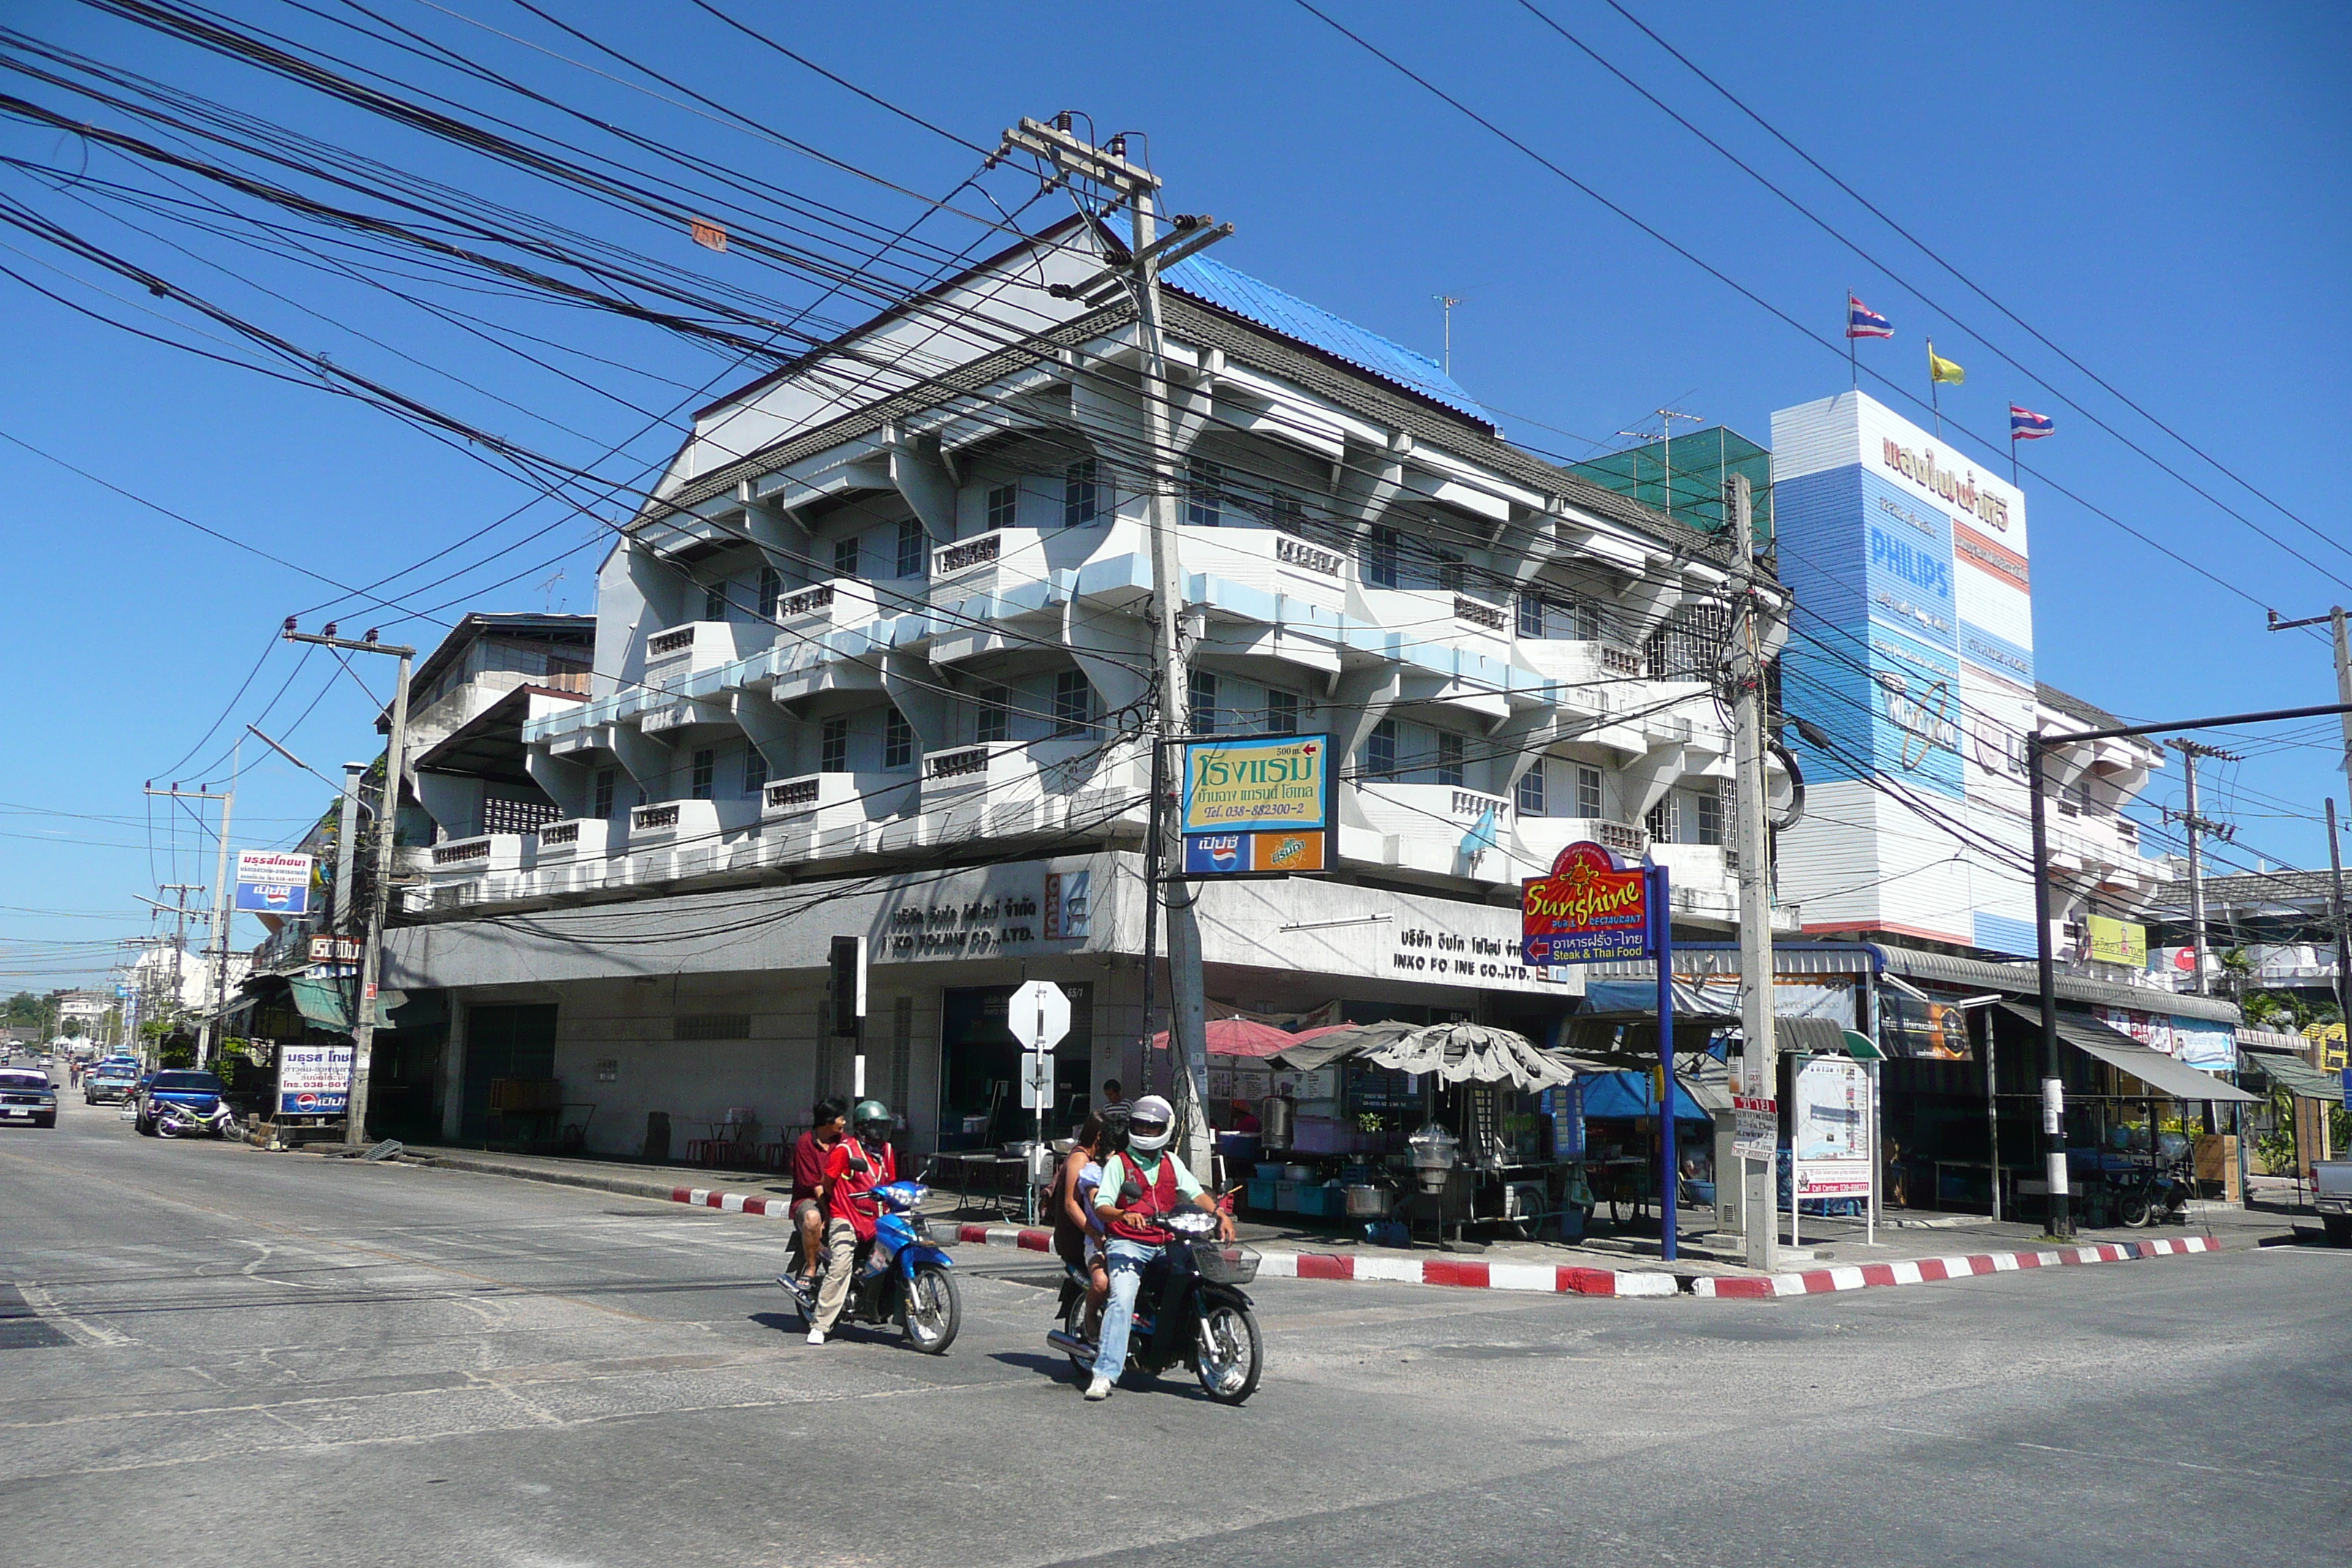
x=2332, y=1199
x=200, y=1091
x=110, y=1083
x=26, y=1096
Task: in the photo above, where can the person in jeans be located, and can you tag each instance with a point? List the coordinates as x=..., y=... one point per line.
x=857, y=1166
x=827, y=1123
x=1078, y=1230
x=1144, y=1182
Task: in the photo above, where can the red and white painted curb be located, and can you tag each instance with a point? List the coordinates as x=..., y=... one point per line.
x=1560, y=1278
x=1924, y=1270
x=1552, y=1278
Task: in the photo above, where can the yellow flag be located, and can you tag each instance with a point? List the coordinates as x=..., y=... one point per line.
x=1941, y=369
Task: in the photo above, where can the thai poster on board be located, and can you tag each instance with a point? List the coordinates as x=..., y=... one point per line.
x=1828, y=1139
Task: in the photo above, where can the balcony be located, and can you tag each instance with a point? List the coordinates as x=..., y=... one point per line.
x=486, y=853
x=572, y=856
x=1541, y=838
x=1275, y=564
x=1591, y=677
x=674, y=838
x=828, y=813
x=842, y=603
x=1004, y=788
x=680, y=651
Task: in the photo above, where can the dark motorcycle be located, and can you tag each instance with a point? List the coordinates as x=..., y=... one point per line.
x=2159, y=1195
x=902, y=1276
x=1190, y=1311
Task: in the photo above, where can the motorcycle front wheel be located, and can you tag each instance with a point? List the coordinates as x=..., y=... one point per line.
x=2133, y=1209
x=931, y=1309
x=1229, y=1357
x=167, y=1127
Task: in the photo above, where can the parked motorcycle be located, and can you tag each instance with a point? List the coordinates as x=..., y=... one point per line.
x=2159, y=1194
x=1189, y=1311
x=176, y=1121
x=902, y=1276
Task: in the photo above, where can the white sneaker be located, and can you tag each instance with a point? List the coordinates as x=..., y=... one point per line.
x=1100, y=1388
x=816, y=1336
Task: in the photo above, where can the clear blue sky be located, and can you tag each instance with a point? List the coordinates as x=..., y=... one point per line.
x=2160, y=190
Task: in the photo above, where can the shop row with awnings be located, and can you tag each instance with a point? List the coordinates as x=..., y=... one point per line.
x=1959, y=1100
x=2282, y=1067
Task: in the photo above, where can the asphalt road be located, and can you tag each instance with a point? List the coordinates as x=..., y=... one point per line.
x=226, y=1356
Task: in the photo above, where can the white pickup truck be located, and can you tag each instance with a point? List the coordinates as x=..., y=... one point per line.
x=2333, y=1179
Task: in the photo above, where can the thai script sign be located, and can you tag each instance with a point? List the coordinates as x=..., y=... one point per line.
x=272, y=883
x=1591, y=909
x=1257, y=806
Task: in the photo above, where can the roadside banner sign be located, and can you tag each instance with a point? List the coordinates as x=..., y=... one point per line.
x=1038, y=1014
x=1257, y=805
x=1829, y=1137
x=313, y=1080
x=1591, y=909
x=272, y=882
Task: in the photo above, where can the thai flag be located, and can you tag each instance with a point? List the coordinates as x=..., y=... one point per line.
x=1862, y=322
x=2024, y=424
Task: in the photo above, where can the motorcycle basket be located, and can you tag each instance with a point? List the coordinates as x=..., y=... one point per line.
x=1230, y=1264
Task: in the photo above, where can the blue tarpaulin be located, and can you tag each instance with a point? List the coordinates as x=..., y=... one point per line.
x=1629, y=1094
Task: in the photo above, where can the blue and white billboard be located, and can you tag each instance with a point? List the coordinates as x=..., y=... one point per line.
x=271, y=882
x=1911, y=648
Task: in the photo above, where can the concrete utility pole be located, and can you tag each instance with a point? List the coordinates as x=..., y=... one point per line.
x=217, y=991
x=2196, y=828
x=2335, y=912
x=387, y=816
x=1107, y=168
x=347, y=838
x=2334, y=621
x=1759, y=1205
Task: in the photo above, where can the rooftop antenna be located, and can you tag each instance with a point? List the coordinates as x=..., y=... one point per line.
x=1446, y=302
x=548, y=589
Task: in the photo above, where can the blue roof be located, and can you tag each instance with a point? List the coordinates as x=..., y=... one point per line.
x=1217, y=284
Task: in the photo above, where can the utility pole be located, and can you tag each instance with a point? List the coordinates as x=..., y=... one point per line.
x=2196, y=828
x=347, y=836
x=2334, y=620
x=179, y=914
x=387, y=817
x=1446, y=302
x=216, y=989
x=2343, y=935
x=1107, y=168
x=1760, y=1198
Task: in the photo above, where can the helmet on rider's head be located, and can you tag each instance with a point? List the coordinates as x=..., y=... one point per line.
x=872, y=1120
x=1150, y=1125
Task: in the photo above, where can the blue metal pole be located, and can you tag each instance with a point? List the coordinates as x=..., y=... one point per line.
x=1662, y=943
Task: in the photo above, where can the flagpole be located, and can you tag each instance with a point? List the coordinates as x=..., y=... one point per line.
x=1934, y=398
x=2012, y=446
x=1851, y=363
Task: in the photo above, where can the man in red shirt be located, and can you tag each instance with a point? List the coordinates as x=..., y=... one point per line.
x=855, y=1167
x=810, y=1150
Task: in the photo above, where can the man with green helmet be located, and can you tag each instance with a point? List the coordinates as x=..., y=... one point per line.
x=858, y=1164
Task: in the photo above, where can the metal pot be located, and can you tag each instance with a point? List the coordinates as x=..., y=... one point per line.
x=1369, y=1203
x=1274, y=1114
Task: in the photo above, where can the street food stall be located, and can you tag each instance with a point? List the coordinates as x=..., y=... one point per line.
x=1397, y=1126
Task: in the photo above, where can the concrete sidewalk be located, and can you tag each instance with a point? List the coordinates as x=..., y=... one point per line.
x=1909, y=1248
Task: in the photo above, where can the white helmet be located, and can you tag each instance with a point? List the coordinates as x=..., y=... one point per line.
x=1150, y=1112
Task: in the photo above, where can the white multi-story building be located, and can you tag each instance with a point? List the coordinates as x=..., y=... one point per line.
x=875, y=657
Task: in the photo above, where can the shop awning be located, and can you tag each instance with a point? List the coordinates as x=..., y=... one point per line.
x=1456, y=1053
x=2298, y=1076
x=1809, y=1036
x=321, y=1003
x=1608, y=1094
x=2170, y=1079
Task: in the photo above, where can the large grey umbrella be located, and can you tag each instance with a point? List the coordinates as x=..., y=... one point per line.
x=1456, y=1053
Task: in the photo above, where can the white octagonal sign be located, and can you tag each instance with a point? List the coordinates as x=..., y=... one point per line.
x=1038, y=1014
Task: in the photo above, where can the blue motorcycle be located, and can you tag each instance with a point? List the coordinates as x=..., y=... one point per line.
x=903, y=1276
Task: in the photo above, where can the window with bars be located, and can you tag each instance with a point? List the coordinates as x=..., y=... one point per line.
x=995, y=720
x=1588, y=793
x=1204, y=497
x=755, y=771
x=1080, y=493
x=911, y=547
x=845, y=557
x=897, y=740
x=1690, y=647
x=1380, y=751
x=516, y=815
x=1202, y=693
x=1383, y=557
x=832, y=747
x=1530, y=796
x=714, y=601
x=601, y=803
x=705, y=774
x=1451, y=753
x=1003, y=505
x=1281, y=712
x=1074, y=702
x=1660, y=820
x=1708, y=825
x=772, y=588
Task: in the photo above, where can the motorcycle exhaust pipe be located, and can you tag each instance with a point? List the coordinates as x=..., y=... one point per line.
x=1069, y=1343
